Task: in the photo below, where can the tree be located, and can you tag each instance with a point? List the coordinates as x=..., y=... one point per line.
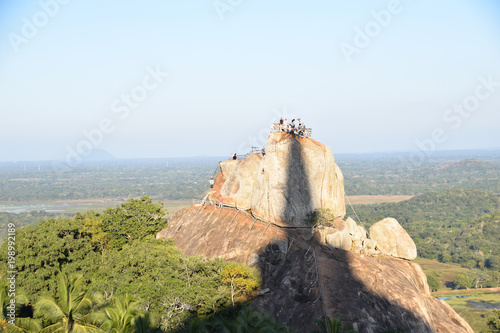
x=493, y=321
x=135, y=219
x=494, y=279
x=465, y=280
x=92, y=228
x=433, y=282
x=118, y=317
x=9, y=305
x=444, y=257
x=240, y=278
x=493, y=262
x=73, y=310
x=144, y=324
x=51, y=247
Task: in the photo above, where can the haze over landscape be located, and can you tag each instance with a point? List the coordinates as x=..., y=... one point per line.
x=367, y=76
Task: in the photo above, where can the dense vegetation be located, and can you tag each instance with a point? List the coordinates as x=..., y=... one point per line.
x=388, y=175
x=119, y=265
x=21, y=219
x=452, y=226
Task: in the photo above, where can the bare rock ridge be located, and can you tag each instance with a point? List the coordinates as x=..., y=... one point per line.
x=366, y=280
x=296, y=176
x=372, y=293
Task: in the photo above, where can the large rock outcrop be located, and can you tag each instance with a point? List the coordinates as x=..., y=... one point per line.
x=297, y=176
x=392, y=239
x=332, y=269
x=372, y=293
x=238, y=189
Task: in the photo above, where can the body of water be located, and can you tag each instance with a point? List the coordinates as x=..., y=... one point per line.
x=450, y=297
x=55, y=207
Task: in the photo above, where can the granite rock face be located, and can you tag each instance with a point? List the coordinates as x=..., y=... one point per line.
x=374, y=294
x=297, y=176
x=392, y=239
x=237, y=190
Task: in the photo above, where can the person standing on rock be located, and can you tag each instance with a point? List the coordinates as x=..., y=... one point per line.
x=301, y=129
x=292, y=127
x=211, y=181
x=235, y=157
x=220, y=201
x=263, y=151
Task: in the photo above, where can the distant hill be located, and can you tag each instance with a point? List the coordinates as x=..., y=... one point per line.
x=468, y=165
x=388, y=176
x=99, y=155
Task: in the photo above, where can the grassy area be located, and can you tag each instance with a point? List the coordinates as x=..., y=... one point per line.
x=175, y=206
x=446, y=273
x=475, y=307
x=374, y=199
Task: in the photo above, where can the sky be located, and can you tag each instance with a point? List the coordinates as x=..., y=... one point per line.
x=165, y=78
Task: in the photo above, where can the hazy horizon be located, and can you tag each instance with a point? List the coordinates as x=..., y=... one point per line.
x=437, y=153
x=208, y=78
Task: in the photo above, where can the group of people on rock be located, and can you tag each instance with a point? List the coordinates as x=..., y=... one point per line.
x=293, y=129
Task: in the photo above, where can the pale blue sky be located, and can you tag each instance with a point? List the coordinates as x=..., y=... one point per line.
x=228, y=79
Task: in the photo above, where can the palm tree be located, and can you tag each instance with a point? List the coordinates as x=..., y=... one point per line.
x=144, y=324
x=118, y=317
x=333, y=326
x=73, y=310
x=22, y=324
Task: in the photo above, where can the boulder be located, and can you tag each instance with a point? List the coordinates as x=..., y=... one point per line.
x=253, y=259
x=392, y=239
x=356, y=231
x=238, y=189
x=227, y=167
x=339, y=240
x=296, y=177
x=369, y=247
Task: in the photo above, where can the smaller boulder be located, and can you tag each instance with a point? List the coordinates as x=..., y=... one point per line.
x=340, y=240
x=369, y=247
x=392, y=239
x=253, y=259
x=356, y=231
